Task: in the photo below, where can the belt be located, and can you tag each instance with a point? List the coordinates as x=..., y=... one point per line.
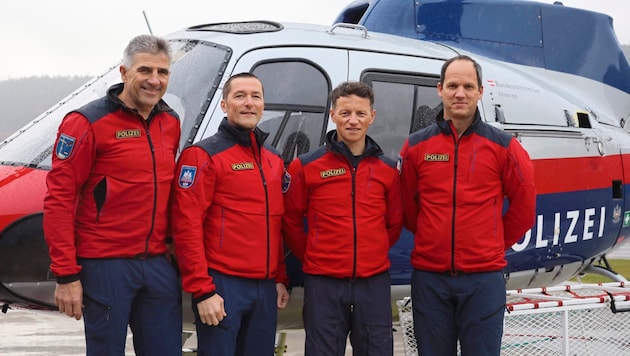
x=140, y=256
x=146, y=256
x=455, y=273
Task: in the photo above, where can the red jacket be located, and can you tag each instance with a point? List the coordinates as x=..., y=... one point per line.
x=227, y=210
x=453, y=196
x=353, y=211
x=109, y=186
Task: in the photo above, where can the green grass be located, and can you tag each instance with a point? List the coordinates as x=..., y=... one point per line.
x=620, y=266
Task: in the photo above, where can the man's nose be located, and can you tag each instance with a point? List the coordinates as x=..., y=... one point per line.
x=354, y=119
x=460, y=91
x=154, y=78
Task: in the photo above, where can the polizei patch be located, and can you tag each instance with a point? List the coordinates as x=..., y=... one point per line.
x=332, y=172
x=242, y=166
x=436, y=157
x=129, y=133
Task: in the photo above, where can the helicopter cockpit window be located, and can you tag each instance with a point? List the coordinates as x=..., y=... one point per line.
x=195, y=72
x=296, y=100
x=195, y=69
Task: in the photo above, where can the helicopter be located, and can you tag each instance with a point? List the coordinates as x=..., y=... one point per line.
x=561, y=87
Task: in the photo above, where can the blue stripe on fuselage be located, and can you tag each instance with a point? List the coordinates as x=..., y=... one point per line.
x=554, y=37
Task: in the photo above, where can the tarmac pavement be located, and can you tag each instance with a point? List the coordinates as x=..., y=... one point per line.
x=46, y=333
x=42, y=333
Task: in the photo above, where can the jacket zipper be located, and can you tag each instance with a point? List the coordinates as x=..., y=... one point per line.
x=354, y=221
x=155, y=192
x=454, y=203
x=258, y=160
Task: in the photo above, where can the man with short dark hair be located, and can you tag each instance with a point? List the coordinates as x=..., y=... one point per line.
x=226, y=218
x=349, y=193
x=455, y=176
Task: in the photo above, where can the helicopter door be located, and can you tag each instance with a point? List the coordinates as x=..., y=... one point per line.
x=297, y=82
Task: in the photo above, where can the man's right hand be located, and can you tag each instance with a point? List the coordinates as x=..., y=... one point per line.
x=69, y=299
x=211, y=310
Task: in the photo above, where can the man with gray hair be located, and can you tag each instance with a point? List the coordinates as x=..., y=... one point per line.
x=105, y=213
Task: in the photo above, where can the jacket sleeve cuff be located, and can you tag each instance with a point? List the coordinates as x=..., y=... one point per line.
x=204, y=297
x=67, y=279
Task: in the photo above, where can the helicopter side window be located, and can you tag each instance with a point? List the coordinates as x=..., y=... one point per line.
x=403, y=104
x=296, y=105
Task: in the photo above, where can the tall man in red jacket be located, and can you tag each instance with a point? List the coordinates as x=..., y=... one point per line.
x=226, y=218
x=455, y=176
x=349, y=193
x=105, y=214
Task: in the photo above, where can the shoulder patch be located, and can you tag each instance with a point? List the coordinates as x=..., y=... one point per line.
x=65, y=144
x=286, y=182
x=187, y=176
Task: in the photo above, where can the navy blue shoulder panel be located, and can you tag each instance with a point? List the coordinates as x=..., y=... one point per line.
x=493, y=134
x=272, y=149
x=215, y=144
x=424, y=134
x=388, y=161
x=98, y=108
x=163, y=106
x=480, y=128
x=309, y=157
x=220, y=142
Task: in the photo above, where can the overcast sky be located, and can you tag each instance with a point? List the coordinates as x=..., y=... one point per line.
x=82, y=37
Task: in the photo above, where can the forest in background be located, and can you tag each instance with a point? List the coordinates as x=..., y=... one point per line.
x=23, y=99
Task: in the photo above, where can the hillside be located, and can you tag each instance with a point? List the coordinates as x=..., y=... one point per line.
x=22, y=100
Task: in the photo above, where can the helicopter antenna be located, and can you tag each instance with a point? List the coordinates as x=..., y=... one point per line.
x=146, y=19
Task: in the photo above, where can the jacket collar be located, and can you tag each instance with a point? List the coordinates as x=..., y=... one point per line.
x=114, y=91
x=242, y=137
x=371, y=147
x=445, y=126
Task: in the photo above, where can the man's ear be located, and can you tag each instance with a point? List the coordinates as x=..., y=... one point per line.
x=123, y=72
x=373, y=117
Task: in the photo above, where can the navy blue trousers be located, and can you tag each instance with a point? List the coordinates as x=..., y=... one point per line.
x=142, y=294
x=334, y=308
x=468, y=308
x=249, y=329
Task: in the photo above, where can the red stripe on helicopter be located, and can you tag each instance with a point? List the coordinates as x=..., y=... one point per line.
x=561, y=175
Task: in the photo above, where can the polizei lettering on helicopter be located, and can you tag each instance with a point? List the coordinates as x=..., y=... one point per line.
x=565, y=228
